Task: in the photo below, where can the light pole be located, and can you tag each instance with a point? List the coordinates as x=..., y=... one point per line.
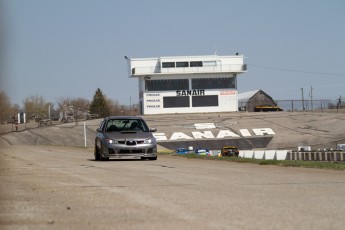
x=303, y=99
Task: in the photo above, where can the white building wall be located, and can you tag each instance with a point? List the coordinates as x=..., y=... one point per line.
x=153, y=103
x=214, y=66
x=144, y=66
x=151, y=66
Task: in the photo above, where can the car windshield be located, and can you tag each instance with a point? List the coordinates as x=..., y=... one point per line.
x=126, y=125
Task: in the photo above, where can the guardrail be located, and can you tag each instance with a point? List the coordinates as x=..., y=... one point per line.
x=293, y=155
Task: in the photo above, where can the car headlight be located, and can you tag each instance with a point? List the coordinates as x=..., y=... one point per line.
x=150, y=141
x=111, y=141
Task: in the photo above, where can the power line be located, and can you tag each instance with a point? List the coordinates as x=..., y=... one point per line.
x=297, y=71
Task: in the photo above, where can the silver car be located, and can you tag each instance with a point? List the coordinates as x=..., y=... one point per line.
x=125, y=137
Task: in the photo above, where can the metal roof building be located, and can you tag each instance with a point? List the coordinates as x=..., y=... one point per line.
x=187, y=84
x=251, y=100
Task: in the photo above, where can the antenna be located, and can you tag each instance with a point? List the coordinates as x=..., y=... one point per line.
x=215, y=50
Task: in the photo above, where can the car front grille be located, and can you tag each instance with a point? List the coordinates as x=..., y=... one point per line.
x=131, y=151
x=131, y=142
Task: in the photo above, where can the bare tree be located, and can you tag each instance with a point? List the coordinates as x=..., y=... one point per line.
x=114, y=107
x=63, y=101
x=79, y=107
x=3, y=47
x=36, y=107
x=80, y=103
x=5, y=107
x=135, y=109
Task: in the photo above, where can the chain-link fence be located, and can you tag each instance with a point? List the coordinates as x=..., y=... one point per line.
x=309, y=105
x=294, y=105
x=300, y=105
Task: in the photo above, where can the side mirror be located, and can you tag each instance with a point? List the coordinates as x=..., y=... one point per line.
x=99, y=130
x=153, y=129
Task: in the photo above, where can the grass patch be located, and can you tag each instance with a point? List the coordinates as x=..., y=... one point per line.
x=165, y=152
x=299, y=164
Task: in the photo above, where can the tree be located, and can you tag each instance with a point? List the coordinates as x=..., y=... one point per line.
x=36, y=107
x=79, y=106
x=114, y=107
x=5, y=107
x=99, y=104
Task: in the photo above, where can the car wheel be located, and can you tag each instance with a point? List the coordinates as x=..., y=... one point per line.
x=97, y=154
x=153, y=158
x=101, y=155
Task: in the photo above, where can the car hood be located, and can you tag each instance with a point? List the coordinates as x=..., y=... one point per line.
x=129, y=135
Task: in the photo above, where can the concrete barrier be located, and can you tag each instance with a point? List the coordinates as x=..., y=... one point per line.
x=259, y=154
x=270, y=154
x=214, y=152
x=241, y=153
x=293, y=155
x=248, y=154
x=281, y=155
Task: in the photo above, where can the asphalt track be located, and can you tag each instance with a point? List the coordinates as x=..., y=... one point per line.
x=49, y=180
x=60, y=187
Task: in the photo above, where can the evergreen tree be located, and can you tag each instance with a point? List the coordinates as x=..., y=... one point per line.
x=99, y=104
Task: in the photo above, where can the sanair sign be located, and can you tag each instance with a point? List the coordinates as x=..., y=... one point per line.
x=221, y=134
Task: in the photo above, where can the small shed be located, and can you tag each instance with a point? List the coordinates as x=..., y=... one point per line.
x=256, y=100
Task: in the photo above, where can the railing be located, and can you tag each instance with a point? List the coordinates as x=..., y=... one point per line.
x=306, y=105
x=236, y=68
x=298, y=105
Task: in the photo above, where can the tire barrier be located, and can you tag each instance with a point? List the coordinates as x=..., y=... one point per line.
x=318, y=156
x=293, y=155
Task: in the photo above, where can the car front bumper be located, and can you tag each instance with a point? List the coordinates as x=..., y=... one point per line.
x=126, y=151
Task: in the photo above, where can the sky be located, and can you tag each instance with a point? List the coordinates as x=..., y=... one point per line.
x=69, y=48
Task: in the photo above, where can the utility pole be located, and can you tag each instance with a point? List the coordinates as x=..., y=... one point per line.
x=130, y=105
x=339, y=104
x=303, y=99
x=311, y=97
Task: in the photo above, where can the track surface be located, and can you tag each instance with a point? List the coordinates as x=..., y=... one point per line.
x=292, y=129
x=54, y=187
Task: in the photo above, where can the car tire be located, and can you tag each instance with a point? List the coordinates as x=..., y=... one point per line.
x=97, y=154
x=101, y=158
x=153, y=158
